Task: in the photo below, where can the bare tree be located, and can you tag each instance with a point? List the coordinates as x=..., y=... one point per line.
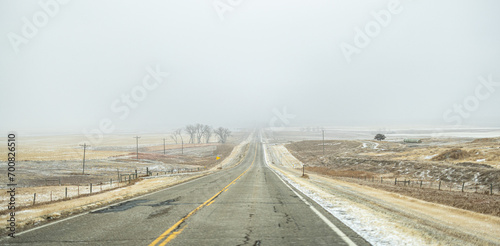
x=176, y=135
x=222, y=133
x=199, y=132
x=191, y=130
x=207, y=133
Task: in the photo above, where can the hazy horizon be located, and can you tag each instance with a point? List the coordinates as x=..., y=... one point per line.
x=156, y=66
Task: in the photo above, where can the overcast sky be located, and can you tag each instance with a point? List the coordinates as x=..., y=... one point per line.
x=73, y=65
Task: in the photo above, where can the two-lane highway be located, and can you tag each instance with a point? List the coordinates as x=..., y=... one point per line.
x=245, y=205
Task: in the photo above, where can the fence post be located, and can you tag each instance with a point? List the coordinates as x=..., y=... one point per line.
x=51, y=196
x=491, y=189
x=90, y=188
x=34, y=198
x=66, y=192
x=147, y=171
x=463, y=183
x=135, y=173
x=395, y=181
x=420, y=183
x=439, y=187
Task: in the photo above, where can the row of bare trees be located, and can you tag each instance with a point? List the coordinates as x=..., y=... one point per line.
x=199, y=133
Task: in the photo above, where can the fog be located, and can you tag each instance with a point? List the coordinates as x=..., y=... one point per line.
x=159, y=65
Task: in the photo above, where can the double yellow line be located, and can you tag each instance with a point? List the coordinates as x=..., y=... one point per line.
x=171, y=235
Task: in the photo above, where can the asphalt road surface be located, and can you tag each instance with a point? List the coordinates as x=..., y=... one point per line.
x=245, y=205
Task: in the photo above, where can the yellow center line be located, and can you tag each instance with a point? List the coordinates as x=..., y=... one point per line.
x=211, y=202
x=173, y=236
x=206, y=203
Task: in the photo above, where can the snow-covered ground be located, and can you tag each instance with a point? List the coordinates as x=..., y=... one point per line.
x=375, y=145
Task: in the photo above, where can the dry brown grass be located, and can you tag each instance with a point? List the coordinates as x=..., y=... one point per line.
x=67, y=147
x=477, y=202
x=455, y=154
x=347, y=160
x=339, y=173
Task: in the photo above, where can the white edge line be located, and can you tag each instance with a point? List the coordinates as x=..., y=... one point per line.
x=320, y=215
x=113, y=204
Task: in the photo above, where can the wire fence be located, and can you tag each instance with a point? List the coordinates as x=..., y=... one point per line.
x=487, y=189
x=56, y=190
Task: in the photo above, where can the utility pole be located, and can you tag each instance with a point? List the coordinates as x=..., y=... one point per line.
x=84, y=147
x=164, y=146
x=182, y=144
x=323, y=142
x=137, y=144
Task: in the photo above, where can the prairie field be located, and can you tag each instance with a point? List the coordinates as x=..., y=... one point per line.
x=462, y=172
x=54, y=160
